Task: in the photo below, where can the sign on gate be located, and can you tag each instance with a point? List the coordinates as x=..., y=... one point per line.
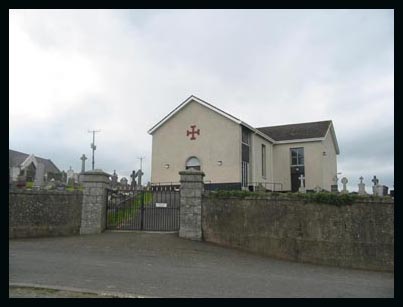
x=161, y=205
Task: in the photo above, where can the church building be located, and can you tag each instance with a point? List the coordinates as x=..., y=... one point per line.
x=235, y=155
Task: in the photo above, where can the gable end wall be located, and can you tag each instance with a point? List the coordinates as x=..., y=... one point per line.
x=219, y=140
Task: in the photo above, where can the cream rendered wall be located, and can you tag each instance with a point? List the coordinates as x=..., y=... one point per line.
x=313, y=163
x=329, y=162
x=219, y=139
x=256, y=160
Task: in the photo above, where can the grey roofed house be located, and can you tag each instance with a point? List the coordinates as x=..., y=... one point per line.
x=16, y=160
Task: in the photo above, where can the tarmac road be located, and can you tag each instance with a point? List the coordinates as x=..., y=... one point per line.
x=163, y=265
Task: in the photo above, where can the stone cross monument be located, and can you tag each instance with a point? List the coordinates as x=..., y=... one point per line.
x=344, y=182
x=361, y=187
x=139, y=174
x=39, y=175
x=83, y=158
x=301, y=187
x=374, y=187
x=114, y=179
x=134, y=183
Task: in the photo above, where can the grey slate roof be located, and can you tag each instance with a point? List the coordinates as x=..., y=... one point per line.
x=297, y=131
x=15, y=158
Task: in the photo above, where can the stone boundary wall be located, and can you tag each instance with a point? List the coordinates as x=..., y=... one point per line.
x=44, y=213
x=359, y=236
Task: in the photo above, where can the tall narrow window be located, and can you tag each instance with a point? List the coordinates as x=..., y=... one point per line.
x=263, y=161
x=245, y=142
x=297, y=156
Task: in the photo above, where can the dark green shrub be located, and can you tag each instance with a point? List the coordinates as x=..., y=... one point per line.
x=319, y=198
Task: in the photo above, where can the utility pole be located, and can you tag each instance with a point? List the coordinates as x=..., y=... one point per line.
x=93, y=147
x=141, y=162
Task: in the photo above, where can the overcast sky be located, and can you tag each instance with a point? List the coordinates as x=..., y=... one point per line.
x=121, y=71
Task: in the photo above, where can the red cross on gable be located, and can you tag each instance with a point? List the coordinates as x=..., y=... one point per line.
x=193, y=132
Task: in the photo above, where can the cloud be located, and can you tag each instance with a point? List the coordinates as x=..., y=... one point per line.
x=121, y=71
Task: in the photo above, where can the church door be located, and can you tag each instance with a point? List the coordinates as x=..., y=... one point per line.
x=297, y=167
x=295, y=181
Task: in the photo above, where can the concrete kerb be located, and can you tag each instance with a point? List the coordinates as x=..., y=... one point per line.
x=78, y=290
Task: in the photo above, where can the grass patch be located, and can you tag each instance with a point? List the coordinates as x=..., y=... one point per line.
x=122, y=214
x=72, y=188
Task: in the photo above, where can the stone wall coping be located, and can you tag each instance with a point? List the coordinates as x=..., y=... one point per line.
x=384, y=200
x=191, y=172
x=95, y=176
x=96, y=172
x=44, y=192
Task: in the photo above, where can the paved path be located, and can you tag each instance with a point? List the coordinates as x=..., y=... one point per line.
x=163, y=265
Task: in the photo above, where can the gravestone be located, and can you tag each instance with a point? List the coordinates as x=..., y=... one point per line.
x=63, y=177
x=334, y=188
x=134, y=183
x=344, y=181
x=123, y=183
x=361, y=187
x=70, y=174
x=50, y=185
x=374, y=188
x=302, y=186
x=114, y=182
x=83, y=158
x=39, y=175
x=381, y=190
x=317, y=189
x=60, y=186
x=21, y=181
x=70, y=182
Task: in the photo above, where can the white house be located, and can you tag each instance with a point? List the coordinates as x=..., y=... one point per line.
x=235, y=155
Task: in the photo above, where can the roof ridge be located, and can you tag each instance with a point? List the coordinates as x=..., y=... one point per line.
x=303, y=123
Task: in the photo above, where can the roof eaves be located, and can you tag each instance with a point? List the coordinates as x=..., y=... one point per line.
x=336, y=144
x=169, y=115
x=300, y=140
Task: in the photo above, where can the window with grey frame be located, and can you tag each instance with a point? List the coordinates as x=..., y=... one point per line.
x=264, y=161
x=193, y=163
x=297, y=156
x=245, y=142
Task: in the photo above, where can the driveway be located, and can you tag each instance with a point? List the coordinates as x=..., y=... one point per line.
x=163, y=265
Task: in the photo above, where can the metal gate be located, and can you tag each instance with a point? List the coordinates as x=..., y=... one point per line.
x=154, y=209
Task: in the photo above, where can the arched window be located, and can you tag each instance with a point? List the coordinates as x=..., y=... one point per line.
x=193, y=163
